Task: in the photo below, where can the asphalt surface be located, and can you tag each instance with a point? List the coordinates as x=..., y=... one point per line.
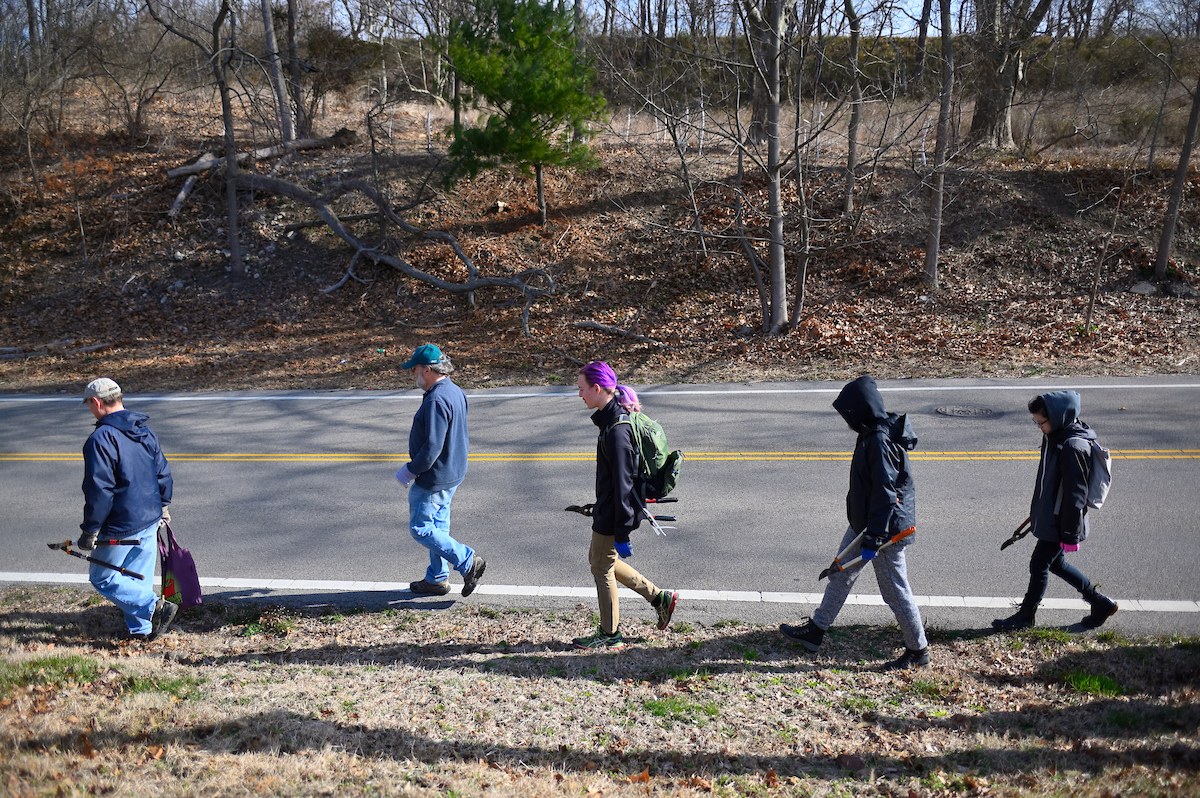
x=300, y=486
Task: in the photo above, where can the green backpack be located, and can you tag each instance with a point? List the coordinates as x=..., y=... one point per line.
x=657, y=464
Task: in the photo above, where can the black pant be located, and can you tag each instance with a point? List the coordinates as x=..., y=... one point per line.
x=1048, y=559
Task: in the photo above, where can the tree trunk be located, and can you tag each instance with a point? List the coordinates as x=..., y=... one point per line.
x=1168, y=233
x=930, y=277
x=922, y=41
x=778, y=262
x=303, y=125
x=220, y=69
x=286, y=130
x=855, y=105
x=35, y=37
x=541, y=194
x=1001, y=34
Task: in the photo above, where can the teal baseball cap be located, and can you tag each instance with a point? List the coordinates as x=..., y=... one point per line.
x=423, y=355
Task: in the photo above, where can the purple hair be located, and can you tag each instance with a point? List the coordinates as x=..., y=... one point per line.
x=599, y=373
x=628, y=399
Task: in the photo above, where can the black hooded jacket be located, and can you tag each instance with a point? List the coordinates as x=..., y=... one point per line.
x=616, y=510
x=1058, y=510
x=882, y=500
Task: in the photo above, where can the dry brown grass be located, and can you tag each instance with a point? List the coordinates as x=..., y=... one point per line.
x=250, y=699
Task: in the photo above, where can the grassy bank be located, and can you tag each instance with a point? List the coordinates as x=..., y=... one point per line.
x=254, y=699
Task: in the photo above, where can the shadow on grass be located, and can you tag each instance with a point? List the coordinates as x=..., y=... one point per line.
x=283, y=732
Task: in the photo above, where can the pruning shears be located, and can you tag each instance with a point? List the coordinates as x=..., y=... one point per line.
x=837, y=565
x=1024, y=529
x=67, y=544
x=586, y=510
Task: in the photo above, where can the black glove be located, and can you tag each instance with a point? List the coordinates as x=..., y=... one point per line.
x=87, y=541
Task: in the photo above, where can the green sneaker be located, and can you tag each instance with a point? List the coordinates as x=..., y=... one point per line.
x=665, y=608
x=601, y=641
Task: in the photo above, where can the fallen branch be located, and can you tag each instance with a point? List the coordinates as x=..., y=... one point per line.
x=320, y=204
x=591, y=325
x=183, y=194
x=210, y=160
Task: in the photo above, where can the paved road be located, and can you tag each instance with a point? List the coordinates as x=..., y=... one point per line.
x=299, y=487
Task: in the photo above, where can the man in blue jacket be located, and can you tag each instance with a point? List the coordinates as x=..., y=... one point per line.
x=126, y=489
x=437, y=451
x=881, y=504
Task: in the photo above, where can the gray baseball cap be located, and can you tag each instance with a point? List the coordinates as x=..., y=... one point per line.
x=101, y=388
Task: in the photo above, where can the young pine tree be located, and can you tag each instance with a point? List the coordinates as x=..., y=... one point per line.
x=520, y=60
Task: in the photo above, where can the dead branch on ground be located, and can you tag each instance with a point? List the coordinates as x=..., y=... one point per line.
x=476, y=281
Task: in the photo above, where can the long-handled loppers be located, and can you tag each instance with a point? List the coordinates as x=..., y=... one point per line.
x=586, y=510
x=1024, y=529
x=838, y=565
x=66, y=546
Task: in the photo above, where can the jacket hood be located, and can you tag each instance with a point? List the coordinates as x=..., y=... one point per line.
x=861, y=404
x=130, y=422
x=1062, y=408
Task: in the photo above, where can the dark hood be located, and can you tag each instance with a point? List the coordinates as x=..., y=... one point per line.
x=860, y=404
x=1062, y=408
x=130, y=422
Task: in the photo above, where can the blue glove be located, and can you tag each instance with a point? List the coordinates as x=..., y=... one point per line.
x=870, y=548
x=404, y=476
x=625, y=550
x=868, y=554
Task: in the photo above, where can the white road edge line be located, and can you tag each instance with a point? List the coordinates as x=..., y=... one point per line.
x=748, y=596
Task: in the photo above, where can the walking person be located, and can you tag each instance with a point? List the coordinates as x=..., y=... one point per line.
x=437, y=451
x=1058, y=511
x=127, y=486
x=880, y=504
x=618, y=510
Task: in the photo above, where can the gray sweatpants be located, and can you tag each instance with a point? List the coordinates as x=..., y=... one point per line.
x=892, y=575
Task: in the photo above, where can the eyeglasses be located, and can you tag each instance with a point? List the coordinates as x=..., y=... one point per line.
x=1039, y=424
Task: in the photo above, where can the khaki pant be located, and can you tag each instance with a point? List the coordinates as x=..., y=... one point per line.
x=608, y=570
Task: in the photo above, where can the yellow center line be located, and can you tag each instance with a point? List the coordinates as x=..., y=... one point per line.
x=556, y=457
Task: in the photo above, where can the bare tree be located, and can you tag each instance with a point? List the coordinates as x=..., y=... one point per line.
x=936, y=194
x=1185, y=155
x=282, y=104
x=1003, y=31
x=218, y=55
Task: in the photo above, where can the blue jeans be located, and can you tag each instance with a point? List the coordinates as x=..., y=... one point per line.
x=891, y=573
x=429, y=524
x=135, y=597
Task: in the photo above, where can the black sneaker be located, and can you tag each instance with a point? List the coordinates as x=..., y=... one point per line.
x=427, y=588
x=911, y=658
x=665, y=608
x=810, y=635
x=1021, y=620
x=161, y=620
x=471, y=577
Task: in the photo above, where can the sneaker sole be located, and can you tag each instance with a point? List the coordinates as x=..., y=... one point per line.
x=810, y=646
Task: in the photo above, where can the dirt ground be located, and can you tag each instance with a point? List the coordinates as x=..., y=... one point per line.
x=94, y=279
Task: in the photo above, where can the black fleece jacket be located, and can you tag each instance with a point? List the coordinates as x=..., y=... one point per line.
x=616, y=510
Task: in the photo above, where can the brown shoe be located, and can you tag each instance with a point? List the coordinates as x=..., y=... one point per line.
x=427, y=588
x=161, y=620
x=471, y=578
